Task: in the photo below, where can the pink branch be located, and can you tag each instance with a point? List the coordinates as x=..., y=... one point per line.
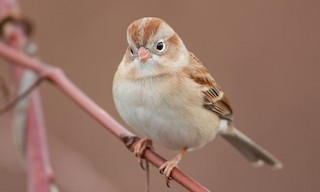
x=56, y=76
x=39, y=152
x=39, y=172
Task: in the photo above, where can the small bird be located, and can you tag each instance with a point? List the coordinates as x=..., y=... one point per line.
x=164, y=92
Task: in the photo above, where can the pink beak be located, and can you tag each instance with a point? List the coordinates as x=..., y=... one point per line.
x=143, y=54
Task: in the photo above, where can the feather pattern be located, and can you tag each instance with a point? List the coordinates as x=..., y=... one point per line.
x=214, y=98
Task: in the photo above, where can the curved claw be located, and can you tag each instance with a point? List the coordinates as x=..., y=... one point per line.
x=168, y=182
x=139, y=149
x=166, y=169
x=168, y=179
x=142, y=165
x=168, y=166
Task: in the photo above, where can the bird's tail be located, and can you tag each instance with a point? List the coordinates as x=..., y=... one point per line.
x=252, y=151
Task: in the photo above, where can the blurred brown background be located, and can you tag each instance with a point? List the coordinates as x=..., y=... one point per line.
x=265, y=55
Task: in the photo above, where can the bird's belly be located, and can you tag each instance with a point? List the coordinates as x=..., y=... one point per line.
x=167, y=126
x=174, y=119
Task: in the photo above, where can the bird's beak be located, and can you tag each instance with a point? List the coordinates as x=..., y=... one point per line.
x=143, y=54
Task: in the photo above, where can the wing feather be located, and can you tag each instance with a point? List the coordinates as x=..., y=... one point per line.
x=214, y=98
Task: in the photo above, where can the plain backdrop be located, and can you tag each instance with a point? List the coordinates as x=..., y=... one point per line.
x=265, y=55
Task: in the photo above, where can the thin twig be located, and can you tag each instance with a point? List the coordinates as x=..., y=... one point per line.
x=147, y=176
x=7, y=106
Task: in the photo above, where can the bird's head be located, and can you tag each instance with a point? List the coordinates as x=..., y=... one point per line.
x=154, y=48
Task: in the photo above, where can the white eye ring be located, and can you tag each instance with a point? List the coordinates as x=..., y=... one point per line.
x=160, y=45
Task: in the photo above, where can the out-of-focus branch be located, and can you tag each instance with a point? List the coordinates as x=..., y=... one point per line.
x=29, y=121
x=25, y=92
x=4, y=90
x=58, y=78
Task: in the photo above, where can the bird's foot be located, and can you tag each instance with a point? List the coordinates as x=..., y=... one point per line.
x=139, y=149
x=168, y=166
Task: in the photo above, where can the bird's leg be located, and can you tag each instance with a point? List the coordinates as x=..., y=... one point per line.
x=139, y=149
x=168, y=166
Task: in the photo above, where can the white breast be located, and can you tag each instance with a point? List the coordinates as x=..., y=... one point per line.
x=165, y=111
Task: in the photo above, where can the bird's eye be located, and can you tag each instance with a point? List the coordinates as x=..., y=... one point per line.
x=131, y=50
x=160, y=46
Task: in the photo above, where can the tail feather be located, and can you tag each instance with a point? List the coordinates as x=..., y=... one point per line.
x=252, y=151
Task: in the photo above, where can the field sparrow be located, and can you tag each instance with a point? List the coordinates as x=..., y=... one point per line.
x=164, y=92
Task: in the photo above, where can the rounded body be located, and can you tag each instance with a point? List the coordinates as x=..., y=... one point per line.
x=166, y=109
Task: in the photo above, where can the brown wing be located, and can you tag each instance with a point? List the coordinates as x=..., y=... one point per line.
x=214, y=98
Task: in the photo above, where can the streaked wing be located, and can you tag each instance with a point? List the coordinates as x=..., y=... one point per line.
x=214, y=98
